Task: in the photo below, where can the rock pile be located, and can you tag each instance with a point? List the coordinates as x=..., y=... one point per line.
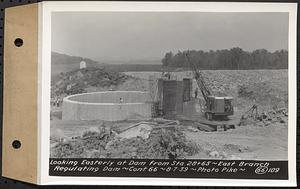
x=264, y=87
x=164, y=143
x=265, y=118
x=88, y=145
x=77, y=81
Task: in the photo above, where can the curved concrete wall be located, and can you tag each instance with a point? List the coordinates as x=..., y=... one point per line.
x=107, y=106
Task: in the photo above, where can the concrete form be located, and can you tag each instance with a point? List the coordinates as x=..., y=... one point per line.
x=172, y=94
x=108, y=105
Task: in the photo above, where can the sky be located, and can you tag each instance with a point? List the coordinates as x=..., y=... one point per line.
x=148, y=35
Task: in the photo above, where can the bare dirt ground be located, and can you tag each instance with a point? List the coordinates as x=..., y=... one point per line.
x=247, y=142
x=255, y=140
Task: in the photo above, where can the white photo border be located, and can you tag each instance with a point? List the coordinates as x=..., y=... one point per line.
x=44, y=81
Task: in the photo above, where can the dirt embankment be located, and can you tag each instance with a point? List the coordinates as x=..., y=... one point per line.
x=263, y=136
x=79, y=80
x=265, y=88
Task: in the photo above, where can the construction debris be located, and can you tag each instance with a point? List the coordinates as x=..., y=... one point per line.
x=214, y=154
x=162, y=143
x=140, y=140
x=204, y=125
x=192, y=129
x=265, y=118
x=157, y=138
x=79, y=80
x=142, y=130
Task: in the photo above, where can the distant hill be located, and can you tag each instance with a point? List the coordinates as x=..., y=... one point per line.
x=132, y=67
x=61, y=63
x=151, y=61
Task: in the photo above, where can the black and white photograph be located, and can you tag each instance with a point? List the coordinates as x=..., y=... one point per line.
x=150, y=93
x=204, y=92
x=169, y=85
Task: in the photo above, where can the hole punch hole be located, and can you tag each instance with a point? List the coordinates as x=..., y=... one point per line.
x=19, y=42
x=16, y=144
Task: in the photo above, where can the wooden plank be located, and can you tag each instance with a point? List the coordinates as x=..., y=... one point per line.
x=206, y=122
x=207, y=128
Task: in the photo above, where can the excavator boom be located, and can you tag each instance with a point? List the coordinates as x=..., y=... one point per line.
x=215, y=106
x=200, y=80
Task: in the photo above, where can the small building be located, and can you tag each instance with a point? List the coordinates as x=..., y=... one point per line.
x=82, y=64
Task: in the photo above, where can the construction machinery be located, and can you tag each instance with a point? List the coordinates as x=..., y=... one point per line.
x=252, y=114
x=216, y=107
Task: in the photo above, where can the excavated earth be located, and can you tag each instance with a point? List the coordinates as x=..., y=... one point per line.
x=263, y=138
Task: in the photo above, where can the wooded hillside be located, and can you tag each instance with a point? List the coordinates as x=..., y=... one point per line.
x=233, y=59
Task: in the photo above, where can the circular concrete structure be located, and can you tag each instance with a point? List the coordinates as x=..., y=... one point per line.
x=108, y=105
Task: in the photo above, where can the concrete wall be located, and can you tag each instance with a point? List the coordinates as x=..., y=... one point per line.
x=107, y=106
x=172, y=101
x=112, y=97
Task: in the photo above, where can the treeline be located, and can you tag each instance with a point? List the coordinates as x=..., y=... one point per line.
x=233, y=59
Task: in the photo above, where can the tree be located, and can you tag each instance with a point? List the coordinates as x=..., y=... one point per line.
x=167, y=59
x=235, y=59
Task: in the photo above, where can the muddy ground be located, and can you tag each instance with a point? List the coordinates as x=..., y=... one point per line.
x=267, y=139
